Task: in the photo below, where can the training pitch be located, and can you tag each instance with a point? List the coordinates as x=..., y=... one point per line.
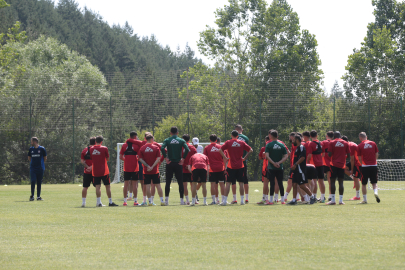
x=58, y=234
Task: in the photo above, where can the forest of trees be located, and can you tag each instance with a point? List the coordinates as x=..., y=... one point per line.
x=110, y=48
x=65, y=75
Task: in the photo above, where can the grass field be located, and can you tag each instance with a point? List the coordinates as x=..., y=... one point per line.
x=58, y=234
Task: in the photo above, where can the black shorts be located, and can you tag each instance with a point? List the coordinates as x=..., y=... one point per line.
x=140, y=174
x=369, y=172
x=235, y=175
x=336, y=172
x=320, y=171
x=299, y=178
x=199, y=176
x=97, y=180
x=131, y=176
x=291, y=174
x=151, y=178
x=311, y=173
x=326, y=169
x=357, y=172
x=87, y=179
x=216, y=177
x=245, y=175
x=187, y=177
x=275, y=174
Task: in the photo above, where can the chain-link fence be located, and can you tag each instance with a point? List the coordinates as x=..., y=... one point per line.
x=64, y=114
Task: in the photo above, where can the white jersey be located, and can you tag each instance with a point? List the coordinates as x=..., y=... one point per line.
x=200, y=149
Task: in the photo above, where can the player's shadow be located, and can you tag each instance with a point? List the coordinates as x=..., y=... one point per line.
x=25, y=201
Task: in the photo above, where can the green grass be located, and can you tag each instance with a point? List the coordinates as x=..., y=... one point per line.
x=57, y=233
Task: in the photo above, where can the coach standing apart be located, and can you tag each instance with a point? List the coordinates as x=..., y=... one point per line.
x=174, y=161
x=37, y=158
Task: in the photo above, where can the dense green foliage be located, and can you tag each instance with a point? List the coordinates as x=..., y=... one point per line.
x=111, y=48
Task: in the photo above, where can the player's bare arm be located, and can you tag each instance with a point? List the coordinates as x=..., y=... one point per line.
x=298, y=163
x=223, y=155
x=283, y=159
x=45, y=158
x=157, y=161
x=146, y=164
x=122, y=157
x=248, y=154
x=352, y=164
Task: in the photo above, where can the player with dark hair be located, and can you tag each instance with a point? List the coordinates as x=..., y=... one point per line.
x=276, y=154
x=199, y=165
x=242, y=137
x=235, y=161
x=368, y=154
x=87, y=175
x=338, y=151
x=37, y=157
x=299, y=169
x=129, y=154
x=99, y=155
x=174, y=161
x=352, y=167
x=187, y=178
x=150, y=156
x=217, y=167
x=315, y=156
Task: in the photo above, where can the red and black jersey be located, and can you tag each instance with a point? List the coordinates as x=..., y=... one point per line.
x=199, y=161
x=339, y=149
x=130, y=151
x=214, y=157
x=99, y=155
x=86, y=157
x=326, y=157
x=315, y=148
x=235, y=151
x=149, y=153
x=192, y=152
x=367, y=151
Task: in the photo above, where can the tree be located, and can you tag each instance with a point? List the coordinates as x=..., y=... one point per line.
x=44, y=95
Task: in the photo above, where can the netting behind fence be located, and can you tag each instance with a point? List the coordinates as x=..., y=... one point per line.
x=65, y=113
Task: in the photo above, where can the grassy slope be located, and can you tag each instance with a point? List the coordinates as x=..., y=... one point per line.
x=57, y=233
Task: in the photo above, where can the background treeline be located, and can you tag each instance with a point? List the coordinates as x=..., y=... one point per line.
x=110, y=48
x=266, y=75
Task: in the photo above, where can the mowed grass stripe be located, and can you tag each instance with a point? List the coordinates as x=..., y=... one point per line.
x=58, y=233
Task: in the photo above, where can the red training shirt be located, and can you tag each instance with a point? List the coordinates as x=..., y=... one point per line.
x=199, y=161
x=131, y=161
x=149, y=153
x=293, y=148
x=99, y=155
x=367, y=150
x=235, y=150
x=192, y=151
x=214, y=157
x=339, y=148
x=89, y=162
x=315, y=159
x=353, y=153
x=325, y=148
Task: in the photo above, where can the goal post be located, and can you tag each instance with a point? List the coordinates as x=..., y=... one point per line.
x=391, y=174
x=119, y=167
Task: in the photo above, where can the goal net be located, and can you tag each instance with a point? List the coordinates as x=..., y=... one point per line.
x=119, y=169
x=391, y=174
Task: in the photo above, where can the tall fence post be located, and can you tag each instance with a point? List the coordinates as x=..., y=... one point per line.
x=225, y=124
x=334, y=113
x=111, y=130
x=188, y=108
x=260, y=121
x=402, y=133
x=295, y=125
x=73, y=131
x=153, y=114
x=369, y=117
x=30, y=135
